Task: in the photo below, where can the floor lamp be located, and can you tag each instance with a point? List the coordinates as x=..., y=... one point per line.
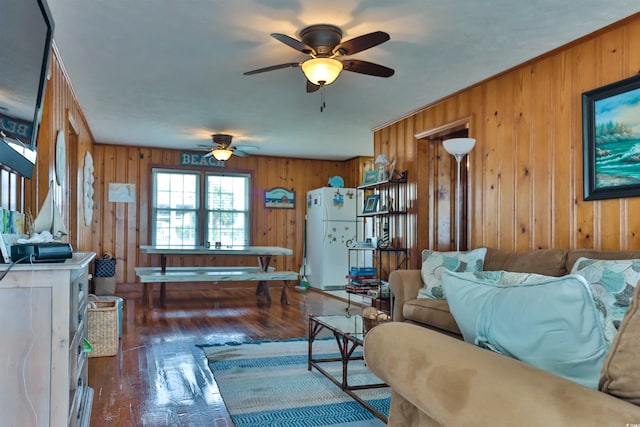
x=458, y=147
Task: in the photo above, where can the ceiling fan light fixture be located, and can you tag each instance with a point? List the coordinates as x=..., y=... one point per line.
x=321, y=71
x=222, y=154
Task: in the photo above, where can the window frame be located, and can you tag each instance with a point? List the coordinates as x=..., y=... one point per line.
x=246, y=211
x=202, y=211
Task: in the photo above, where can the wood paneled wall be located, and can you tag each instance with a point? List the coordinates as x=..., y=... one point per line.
x=61, y=112
x=525, y=172
x=525, y=176
x=121, y=228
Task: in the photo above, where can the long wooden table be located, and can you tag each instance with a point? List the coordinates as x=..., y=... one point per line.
x=262, y=273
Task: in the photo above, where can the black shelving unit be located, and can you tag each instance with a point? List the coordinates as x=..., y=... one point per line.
x=389, y=252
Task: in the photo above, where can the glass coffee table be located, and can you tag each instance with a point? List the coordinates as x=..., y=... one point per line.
x=348, y=330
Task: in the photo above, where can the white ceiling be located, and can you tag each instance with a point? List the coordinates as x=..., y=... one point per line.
x=166, y=73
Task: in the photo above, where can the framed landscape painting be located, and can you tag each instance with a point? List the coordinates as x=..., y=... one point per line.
x=611, y=140
x=279, y=198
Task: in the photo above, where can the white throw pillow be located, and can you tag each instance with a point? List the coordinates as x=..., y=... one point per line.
x=548, y=322
x=613, y=284
x=434, y=263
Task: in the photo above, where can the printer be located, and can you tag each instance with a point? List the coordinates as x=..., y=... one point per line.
x=41, y=252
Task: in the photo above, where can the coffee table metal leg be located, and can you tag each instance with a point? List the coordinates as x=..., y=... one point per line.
x=310, y=338
x=346, y=348
x=314, y=329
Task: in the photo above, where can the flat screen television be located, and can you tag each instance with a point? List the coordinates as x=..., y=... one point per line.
x=26, y=31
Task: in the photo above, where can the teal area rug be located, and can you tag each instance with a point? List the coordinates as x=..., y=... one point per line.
x=267, y=384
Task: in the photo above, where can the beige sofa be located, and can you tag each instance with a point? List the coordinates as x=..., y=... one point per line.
x=437, y=379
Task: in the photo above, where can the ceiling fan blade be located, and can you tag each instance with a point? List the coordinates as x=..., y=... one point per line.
x=209, y=154
x=291, y=42
x=311, y=87
x=364, y=67
x=360, y=43
x=239, y=153
x=273, y=67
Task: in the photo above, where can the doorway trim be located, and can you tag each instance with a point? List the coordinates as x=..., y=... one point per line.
x=439, y=133
x=445, y=129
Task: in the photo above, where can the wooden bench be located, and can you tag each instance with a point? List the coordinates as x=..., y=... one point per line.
x=150, y=275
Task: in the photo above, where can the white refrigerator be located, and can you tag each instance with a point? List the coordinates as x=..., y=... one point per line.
x=332, y=226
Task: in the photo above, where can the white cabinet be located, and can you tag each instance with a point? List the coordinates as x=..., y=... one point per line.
x=43, y=322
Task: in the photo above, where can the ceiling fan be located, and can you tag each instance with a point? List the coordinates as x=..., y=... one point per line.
x=222, y=149
x=323, y=43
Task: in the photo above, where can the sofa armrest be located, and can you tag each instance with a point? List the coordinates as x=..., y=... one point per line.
x=444, y=381
x=404, y=284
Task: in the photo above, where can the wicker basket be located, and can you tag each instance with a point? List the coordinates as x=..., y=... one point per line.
x=371, y=323
x=102, y=320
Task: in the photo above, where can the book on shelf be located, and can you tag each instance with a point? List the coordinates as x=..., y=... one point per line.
x=364, y=281
x=362, y=271
x=362, y=287
x=379, y=293
x=374, y=292
x=357, y=290
x=352, y=277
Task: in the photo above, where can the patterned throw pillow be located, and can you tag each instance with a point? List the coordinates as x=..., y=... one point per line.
x=620, y=375
x=434, y=263
x=613, y=284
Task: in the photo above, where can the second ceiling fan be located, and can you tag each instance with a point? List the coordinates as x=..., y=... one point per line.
x=222, y=149
x=323, y=43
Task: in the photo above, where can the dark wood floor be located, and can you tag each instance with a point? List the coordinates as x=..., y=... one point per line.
x=160, y=377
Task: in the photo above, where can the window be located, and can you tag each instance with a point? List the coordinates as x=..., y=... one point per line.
x=227, y=209
x=175, y=208
x=183, y=214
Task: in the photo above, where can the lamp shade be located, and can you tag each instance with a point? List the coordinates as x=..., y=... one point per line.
x=222, y=154
x=459, y=146
x=321, y=71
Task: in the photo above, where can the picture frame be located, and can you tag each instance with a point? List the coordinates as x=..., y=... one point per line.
x=122, y=193
x=371, y=204
x=370, y=177
x=279, y=198
x=610, y=118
